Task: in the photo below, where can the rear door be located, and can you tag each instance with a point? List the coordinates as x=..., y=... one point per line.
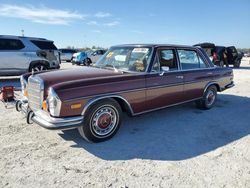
x=231, y=54
x=165, y=82
x=13, y=58
x=196, y=71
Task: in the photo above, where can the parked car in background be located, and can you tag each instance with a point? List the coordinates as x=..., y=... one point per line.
x=234, y=57
x=88, y=57
x=67, y=54
x=221, y=55
x=25, y=54
x=80, y=58
x=247, y=55
x=132, y=78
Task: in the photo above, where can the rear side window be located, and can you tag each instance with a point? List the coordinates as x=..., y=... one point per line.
x=68, y=51
x=44, y=45
x=11, y=44
x=189, y=59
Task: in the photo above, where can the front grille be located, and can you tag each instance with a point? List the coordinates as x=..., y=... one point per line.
x=35, y=93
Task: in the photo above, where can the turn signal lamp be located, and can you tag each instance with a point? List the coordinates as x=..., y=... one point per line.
x=76, y=106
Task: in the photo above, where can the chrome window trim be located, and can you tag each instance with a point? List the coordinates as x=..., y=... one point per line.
x=181, y=70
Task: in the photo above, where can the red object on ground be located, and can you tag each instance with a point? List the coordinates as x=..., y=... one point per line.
x=7, y=93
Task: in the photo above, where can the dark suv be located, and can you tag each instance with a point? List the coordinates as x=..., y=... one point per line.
x=221, y=55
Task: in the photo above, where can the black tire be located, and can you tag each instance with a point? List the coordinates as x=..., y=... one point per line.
x=88, y=62
x=104, y=115
x=38, y=67
x=209, y=98
x=18, y=105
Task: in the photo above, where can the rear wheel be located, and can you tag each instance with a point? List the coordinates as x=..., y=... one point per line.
x=87, y=62
x=102, y=121
x=208, y=99
x=38, y=67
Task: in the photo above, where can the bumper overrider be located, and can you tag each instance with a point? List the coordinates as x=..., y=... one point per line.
x=43, y=118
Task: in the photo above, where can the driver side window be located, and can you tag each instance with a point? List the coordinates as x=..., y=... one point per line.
x=166, y=59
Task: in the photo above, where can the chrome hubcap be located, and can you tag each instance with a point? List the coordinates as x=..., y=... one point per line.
x=210, y=98
x=104, y=121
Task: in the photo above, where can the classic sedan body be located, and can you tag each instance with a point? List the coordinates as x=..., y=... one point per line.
x=129, y=78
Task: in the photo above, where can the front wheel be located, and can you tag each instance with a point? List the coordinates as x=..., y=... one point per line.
x=102, y=121
x=208, y=99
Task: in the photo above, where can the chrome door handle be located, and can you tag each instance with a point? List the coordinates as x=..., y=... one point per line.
x=180, y=77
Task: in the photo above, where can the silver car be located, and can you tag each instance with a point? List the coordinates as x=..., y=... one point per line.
x=19, y=55
x=67, y=54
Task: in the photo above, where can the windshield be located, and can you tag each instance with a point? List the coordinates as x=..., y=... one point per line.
x=126, y=59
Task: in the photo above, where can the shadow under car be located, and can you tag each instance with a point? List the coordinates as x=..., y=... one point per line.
x=175, y=133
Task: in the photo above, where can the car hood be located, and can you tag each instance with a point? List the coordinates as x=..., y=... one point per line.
x=53, y=78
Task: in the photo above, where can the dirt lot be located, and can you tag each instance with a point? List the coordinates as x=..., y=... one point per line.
x=176, y=147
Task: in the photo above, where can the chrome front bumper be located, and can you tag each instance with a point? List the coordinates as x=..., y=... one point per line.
x=43, y=118
x=229, y=85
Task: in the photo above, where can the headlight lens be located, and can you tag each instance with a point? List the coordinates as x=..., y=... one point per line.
x=54, y=103
x=24, y=85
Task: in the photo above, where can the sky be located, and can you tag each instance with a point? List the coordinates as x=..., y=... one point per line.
x=82, y=23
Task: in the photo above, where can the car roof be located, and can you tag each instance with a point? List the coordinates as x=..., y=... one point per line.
x=206, y=45
x=155, y=45
x=24, y=37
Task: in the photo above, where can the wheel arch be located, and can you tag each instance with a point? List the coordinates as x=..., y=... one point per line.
x=124, y=104
x=210, y=84
x=43, y=62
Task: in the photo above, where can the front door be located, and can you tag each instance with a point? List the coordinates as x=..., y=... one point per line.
x=165, y=82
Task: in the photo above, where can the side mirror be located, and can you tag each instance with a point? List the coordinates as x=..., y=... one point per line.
x=163, y=70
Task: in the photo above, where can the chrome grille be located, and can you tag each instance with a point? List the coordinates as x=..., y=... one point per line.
x=35, y=93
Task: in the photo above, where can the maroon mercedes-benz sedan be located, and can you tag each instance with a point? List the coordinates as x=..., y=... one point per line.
x=131, y=78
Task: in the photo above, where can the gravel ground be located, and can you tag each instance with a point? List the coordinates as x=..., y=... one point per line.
x=176, y=147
